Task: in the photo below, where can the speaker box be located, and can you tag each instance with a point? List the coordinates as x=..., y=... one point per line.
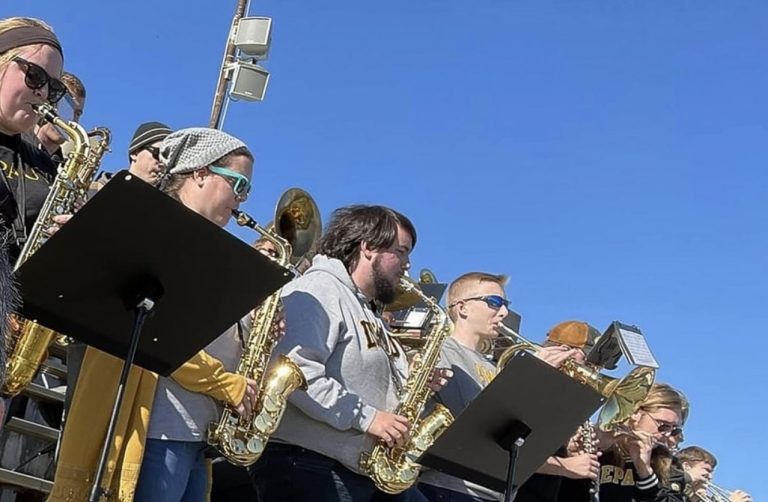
x=249, y=82
x=253, y=36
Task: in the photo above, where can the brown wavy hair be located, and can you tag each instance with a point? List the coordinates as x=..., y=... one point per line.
x=350, y=226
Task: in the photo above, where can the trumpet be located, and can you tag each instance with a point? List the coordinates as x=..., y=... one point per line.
x=714, y=493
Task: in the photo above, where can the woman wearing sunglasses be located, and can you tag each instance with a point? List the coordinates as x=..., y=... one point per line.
x=30, y=67
x=629, y=470
x=162, y=441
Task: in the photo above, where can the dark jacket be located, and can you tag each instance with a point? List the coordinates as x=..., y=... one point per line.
x=619, y=482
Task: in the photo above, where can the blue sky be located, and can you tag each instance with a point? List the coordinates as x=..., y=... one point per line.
x=610, y=157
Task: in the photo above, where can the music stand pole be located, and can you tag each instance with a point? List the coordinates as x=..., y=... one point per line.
x=512, y=442
x=142, y=312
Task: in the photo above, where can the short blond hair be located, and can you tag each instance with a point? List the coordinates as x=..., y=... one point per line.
x=459, y=287
x=18, y=22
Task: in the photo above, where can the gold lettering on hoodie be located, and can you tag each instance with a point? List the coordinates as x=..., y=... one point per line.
x=376, y=336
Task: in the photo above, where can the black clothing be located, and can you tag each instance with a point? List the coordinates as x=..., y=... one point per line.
x=26, y=174
x=619, y=483
x=540, y=488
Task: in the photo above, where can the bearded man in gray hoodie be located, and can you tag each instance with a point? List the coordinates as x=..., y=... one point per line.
x=353, y=367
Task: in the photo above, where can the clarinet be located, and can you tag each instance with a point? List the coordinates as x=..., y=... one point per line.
x=587, y=433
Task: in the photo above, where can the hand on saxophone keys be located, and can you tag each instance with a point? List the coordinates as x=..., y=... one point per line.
x=58, y=221
x=391, y=429
x=248, y=403
x=439, y=378
x=279, y=323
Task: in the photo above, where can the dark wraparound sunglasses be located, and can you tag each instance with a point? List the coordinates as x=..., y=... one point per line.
x=493, y=301
x=154, y=151
x=35, y=77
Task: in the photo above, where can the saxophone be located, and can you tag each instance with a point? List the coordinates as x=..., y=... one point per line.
x=393, y=470
x=241, y=440
x=29, y=341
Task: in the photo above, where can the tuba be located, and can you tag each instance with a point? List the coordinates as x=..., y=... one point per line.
x=241, y=440
x=622, y=395
x=29, y=341
x=393, y=470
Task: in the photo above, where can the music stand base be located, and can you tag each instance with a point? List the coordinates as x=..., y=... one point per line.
x=142, y=312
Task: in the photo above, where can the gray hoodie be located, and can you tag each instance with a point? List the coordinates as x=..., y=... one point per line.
x=341, y=347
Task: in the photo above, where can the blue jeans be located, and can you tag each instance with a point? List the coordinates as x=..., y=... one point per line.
x=437, y=494
x=173, y=471
x=287, y=473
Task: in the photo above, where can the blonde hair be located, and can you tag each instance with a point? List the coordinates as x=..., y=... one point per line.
x=458, y=288
x=665, y=396
x=18, y=22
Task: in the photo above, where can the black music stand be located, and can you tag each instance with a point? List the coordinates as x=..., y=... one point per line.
x=522, y=417
x=133, y=253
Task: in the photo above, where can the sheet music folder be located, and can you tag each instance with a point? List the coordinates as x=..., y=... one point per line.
x=528, y=391
x=80, y=281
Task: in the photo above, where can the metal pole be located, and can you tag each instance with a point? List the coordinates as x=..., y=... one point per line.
x=229, y=57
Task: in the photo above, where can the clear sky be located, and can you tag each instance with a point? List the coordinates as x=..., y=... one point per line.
x=609, y=156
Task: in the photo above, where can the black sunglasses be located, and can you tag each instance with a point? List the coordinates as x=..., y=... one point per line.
x=154, y=151
x=666, y=428
x=493, y=301
x=35, y=77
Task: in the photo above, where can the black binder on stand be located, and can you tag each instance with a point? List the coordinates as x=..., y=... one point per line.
x=520, y=419
x=138, y=275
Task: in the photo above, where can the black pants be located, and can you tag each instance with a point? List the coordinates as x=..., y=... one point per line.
x=294, y=474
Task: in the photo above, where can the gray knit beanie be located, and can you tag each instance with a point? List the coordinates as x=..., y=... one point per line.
x=187, y=150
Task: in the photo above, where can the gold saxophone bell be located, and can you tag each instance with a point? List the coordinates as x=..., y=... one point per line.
x=622, y=395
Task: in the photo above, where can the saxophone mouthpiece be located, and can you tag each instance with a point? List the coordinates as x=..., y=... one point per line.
x=243, y=219
x=46, y=111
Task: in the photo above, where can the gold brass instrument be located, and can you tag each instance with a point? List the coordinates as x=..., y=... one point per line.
x=622, y=395
x=426, y=276
x=29, y=341
x=393, y=470
x=404, y=298
x=297, y=219
x=240, y=439
x=713, y=493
